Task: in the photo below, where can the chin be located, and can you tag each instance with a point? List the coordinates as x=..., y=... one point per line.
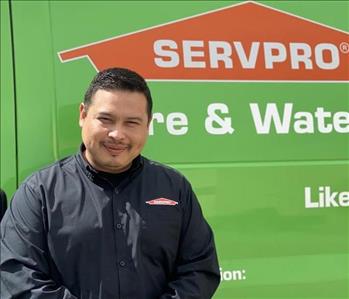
x=118, y=164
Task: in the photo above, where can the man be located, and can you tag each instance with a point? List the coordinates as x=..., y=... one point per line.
x=3, y=203
x=107, y=222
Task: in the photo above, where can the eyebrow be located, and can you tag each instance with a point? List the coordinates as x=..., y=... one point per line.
x=135, y=118
x=104, y=114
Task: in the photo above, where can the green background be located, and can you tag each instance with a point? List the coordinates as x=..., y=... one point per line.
x=251, y=186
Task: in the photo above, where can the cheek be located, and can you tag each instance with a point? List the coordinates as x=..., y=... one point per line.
x=93, y=132
x=142, y=138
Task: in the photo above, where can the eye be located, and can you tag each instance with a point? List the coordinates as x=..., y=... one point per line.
x=104, y=119
x=132, y=123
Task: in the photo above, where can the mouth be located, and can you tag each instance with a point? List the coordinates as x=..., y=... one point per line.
x=115, y=149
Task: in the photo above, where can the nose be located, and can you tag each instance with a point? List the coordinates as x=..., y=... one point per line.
x=116, y=133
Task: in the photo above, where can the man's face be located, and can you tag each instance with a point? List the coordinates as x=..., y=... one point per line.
x=114, y=129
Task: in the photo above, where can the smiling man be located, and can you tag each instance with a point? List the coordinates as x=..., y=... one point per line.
x=114, y=128
x=107, y=223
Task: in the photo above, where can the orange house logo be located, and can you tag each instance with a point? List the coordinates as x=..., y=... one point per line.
x=244, y=42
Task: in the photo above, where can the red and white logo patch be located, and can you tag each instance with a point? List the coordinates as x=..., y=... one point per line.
x=161, y=202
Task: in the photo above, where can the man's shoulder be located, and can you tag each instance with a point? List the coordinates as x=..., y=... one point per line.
x=52, y=171
x=158, y=168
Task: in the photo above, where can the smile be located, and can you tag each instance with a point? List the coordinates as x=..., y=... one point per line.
x=115, y=149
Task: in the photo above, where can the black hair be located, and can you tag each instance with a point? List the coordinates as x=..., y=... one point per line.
x=119, y=79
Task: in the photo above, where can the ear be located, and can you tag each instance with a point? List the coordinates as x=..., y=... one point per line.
x=82, y=114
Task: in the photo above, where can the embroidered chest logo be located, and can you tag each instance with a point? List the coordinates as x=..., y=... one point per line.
x=161, y=202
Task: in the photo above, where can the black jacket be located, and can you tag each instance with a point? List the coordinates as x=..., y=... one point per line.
x=3, y=203
x=69, y=233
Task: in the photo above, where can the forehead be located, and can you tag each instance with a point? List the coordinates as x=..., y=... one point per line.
x=119, y=101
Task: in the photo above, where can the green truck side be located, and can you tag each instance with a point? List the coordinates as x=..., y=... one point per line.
x=252, y=187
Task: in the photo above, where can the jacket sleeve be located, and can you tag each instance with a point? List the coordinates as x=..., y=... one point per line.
x=197, y=271
x=26, y=271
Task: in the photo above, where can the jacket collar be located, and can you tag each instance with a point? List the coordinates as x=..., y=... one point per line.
x=96, y=176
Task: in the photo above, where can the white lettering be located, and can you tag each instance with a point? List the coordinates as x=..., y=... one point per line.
x=232, y=275
x=319, y=56
x=341, y=121
x=223, y=55
x=300, y=52
x=321, y=115
x=194, y=54
x=156, y=117
x=189, y=54
x=176, y=123
x=250, y=61
x=274, y=52
x=330, y=198
x=222, y=124
x=177, y=119
x=172, y=58
x=271, y=114
x=326, y=198
x=344, y=199
x=307, y=198
x=304, y=122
